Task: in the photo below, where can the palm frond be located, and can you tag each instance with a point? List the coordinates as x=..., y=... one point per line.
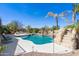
x=52, y=14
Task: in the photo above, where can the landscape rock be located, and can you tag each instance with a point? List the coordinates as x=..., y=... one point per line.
x=59, y=35
x=66, y=38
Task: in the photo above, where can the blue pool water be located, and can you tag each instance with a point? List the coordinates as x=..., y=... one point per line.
x=36, y=39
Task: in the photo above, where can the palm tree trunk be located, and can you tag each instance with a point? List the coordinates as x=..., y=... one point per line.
x=73, y=17
x=57, y=21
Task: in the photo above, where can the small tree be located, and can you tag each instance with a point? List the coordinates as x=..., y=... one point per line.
x=14, y=26
x=5, y=29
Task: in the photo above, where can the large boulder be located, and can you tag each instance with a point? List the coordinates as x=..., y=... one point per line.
x=59, y=35
x=69, y=40
x=66, y=38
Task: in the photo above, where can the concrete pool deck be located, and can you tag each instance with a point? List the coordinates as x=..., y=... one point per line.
x=20, y=46
x=28, y=46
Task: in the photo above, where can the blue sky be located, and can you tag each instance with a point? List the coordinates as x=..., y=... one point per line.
x=33, y=14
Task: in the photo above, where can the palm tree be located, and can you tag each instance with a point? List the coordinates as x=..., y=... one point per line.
x=74, y=11
x=56, y=16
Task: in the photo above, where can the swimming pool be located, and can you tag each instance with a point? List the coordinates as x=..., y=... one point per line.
x=38, y=39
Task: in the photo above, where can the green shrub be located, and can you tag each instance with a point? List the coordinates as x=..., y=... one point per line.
x=74, y=26
x=2, y=48
x=70, y=26
x=77, y=27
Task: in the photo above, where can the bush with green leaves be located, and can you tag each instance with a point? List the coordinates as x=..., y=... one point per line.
x=71, y=26
x=74, y=26
x=77, y=27
x=6, y=30
x=2, y=48
x=14, y=26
